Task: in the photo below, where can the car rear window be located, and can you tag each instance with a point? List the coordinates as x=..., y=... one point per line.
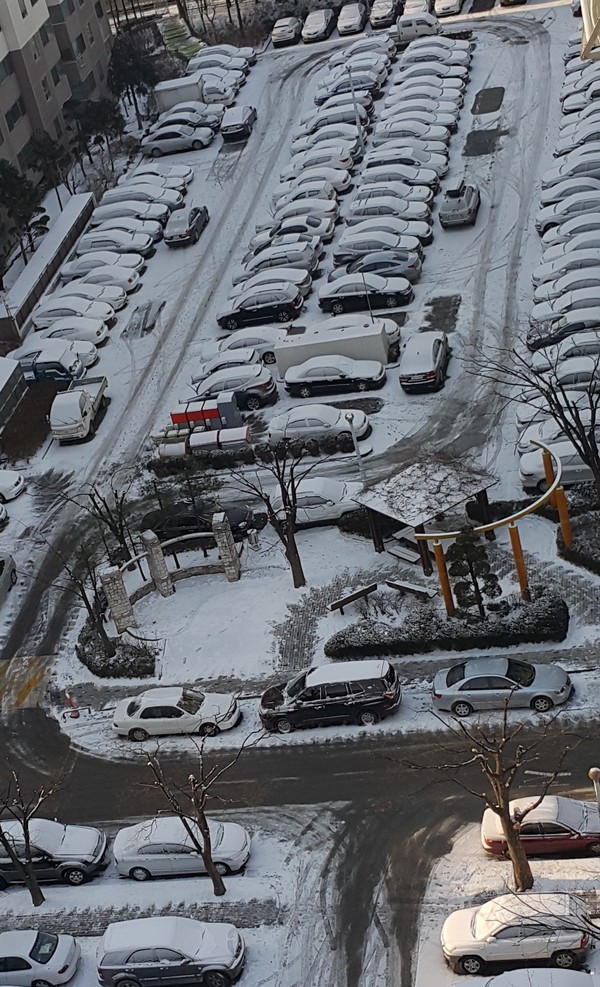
x=455, y=674
x=44, y=947
x=133, y=707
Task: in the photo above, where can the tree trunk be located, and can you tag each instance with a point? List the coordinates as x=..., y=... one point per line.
x=110, y=154
x=293, y=557
x=239, y=15
x=136, y=108
x=58, y=197
x=522, y=874
x=108, y=645
x=476, y=590
x=35, y=892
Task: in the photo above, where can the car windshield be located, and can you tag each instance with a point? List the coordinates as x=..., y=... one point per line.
x=296, y=685
x=455, y=674
x=44, y=947
x=190, y=702
x=134, y=707
x=520, y=672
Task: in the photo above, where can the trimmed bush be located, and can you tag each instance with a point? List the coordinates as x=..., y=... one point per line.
x=585, y=550
x=427, y=628
x=131, y=661
x=357, y=523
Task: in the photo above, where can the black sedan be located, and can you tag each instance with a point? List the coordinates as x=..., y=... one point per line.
x=328, y=374
x=184, y=519
x=357, y=292
x=269, y=303
x=386, y=263
x=185, y=226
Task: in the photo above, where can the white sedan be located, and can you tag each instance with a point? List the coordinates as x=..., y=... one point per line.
x=320, y=500
x=569, y=186
x=275, y=275
x=79, y=266
x=77, y=327
x=163, y=711
x=517, y=928
x=587, y=277
x=113, y=275
x=379, y=44
x=157, y=168
x=317, y=189
x=11, y=485
x=67, y=306
x=432, y=53
x=339, y=178
x=395, y=190
x=586, y=343
x=111, y=294
x=38, y=957
x=163, y=847
x=426, y=113
x=388, y=206
x=317, y=421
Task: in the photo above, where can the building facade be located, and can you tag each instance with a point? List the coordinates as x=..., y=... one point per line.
x=51, y=52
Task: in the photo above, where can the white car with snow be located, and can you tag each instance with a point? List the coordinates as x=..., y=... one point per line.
x=301, y=280
x=433, y=53
x=11, y=485
x=186, y=172
x=395, y=190
x=339, y=179
x=67, y=306
x=590, y=240
x=163, y=711
x=71, y=854
x=587, y=277
x=388, y=206
x=163, y=847
x=571, y=229
x=320, y=500
x=79, y=266
x=112, y=275
x=574, y=260
x=317, y=421
x=261, y=339
x=569, y=186
x=331, y=156
x=109, y=294
x=38, y=957
x=76, y=328
x=573, y=205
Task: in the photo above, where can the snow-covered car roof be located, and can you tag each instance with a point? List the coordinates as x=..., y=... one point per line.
x=531, y=906
x=186, y=934
x=341, y=671
x=160, y=829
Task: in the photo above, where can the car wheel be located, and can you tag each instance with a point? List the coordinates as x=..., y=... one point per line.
x=197, y=145
x=542, y=487
x=284, y=316
x=471, y=964
x=3, y=884
x=461, y=708
x=564, y=959
x=391, y=301
x=138, y=734
x=231, y=323
x=367, y=718
x=2, y=499
x=594, y=849
x=214, y=978
x=13, y=577
x=156, y=152
x=209, y=730
x=222, y=869
x=253, y=403
x=140, y=874
x=362, y=385
x=74, y=876
x=41, y=983
x=269, y=359
x=337, y=308
x=305, y=392
x=284, y=725
x=542, y=704
x=128, y=983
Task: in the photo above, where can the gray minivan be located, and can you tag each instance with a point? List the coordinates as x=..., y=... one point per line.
x=143, y=193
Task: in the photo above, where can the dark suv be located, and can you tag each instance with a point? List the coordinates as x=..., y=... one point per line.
x=183, y=519
x=345, y=692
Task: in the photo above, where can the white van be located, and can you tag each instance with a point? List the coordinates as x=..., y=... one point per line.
x=417, y=25
x=143, y=193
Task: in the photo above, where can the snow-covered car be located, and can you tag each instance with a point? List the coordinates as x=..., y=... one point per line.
x=434, y=53
x=424, y=361
x=352, y=18
x=79, y=266
x=262, y=340
x=317, y=421
x=150, y=211
x=337, y=178
x=163, y=711
x=431, y=88
x=376, y=169
x=161, y=181
x=302, y=237
x=386, y=263
x=590, y=240
x=121, y=241
x=323, y=132
x=112, y=295
x=224, y=361
x=168, y=949
x=265, y=303
x=353, y=245
x=66, y=306
x=579, y=100
x=236, y=51
x=384, y=13
x=409, y=128
x=131, y=224
x=547, y=431
x=364, y=291
x=489, y=683
x=330, y=156
x=455, y=76
x=460, y=205
x=361, y=97
x=208, y=59
x=570, y=186
x=320, y=500
x=374, y=43
x=299, y=255
x=572, y=229
x=387, y=207
x=318, y=25
x=329, y=374
x=573, y=470
x=561, y=327
x=572, y=121
x=112, y=275
x=532, y=407
x=137, y=849
x=441, y=41
x=579, y=137
x=319, y=208
x=415, y=153
x=394, y=190
x=573, y=205
x=583, y=167
x=170, y=138
x=571, y=301
x=75, y=328
x=446, y=108
x=447, y=8
x=314, y=229
x=286, y=31
x=588, y=277
x=179, y=118
x=12, y=485
x=390, y=224
x=275, y=275
x=553, y=924
x=426, y=113
x=572, y=261
x=548, y=359
x=186, y=225
x=38, y=957
x=71, y=854
x=185, y=172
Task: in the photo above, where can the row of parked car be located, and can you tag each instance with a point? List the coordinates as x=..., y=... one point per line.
x=564, y=330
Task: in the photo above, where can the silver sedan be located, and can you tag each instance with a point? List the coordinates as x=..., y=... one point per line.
x=317, y=421
x=488, y=683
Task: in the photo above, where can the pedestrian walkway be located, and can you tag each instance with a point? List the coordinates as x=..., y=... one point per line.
x=22, y=681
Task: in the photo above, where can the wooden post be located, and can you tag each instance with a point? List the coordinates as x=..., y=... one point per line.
x=375, y=532
x=549, y=473
x=515, y=542
x=440, y=562
x=563, y=514
x=424, y=551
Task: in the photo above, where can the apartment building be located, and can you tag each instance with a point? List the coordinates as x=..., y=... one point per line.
x=51, y=52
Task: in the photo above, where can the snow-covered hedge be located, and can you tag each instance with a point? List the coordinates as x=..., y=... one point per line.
x=132, y=660
x=427, y=628
x=585, y=550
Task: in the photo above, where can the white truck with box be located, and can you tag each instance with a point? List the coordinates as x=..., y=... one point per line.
x=168, y=94
x=74, y=412
x=369, y=341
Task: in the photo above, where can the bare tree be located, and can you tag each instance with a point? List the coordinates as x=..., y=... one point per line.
x=286, y=471
x=189, y=801
x=19, y=806
x=502, y=758
x=576, y=412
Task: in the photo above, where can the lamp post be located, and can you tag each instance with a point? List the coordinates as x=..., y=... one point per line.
x=594, y=776
x=361, y=470
x=356, y=116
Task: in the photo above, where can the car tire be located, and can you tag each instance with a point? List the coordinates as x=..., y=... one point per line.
x=305, y=392
x=391, y=301
x=564, y=959
x=41, y=983
x=337, y=308
x=129, y=983
x=362, y=385
x=284, y=316
x=3, y=884
x=542, y=487
x=268, y=358
x=2, y=499
x=156, y=152
x=367, y=718
x=284, y=725
x=138, y=734
x=462, y=708
x=214, y=978
x=197, y=145
x=231, y=323
x=253, y=403
x=593, y=849
x=209, y=730
x=140, y=874
x=542, y=704
x=471, y=965
x=73, y=876
x=222, y=868
x=13, y=578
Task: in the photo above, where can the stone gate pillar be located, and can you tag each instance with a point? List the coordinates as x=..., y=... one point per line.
x=157, y=564
x=117, y=597
x=226, y=546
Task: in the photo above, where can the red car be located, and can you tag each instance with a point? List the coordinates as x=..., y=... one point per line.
x=557, y=826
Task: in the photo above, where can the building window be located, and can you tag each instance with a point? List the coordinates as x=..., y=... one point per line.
x=23, y=8
x=79, y=45
x=46, y=87
x=35, y=51
x=55, y=75
x=15, y=113
x=90, y=33
x=44, y=35
x=99, y=9
x=61, y=11
x=58, y=128
x=99, y=71
x=5, y=69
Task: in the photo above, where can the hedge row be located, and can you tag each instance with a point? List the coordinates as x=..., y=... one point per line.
x=217, y=459
x=585, y=550
x=131, y=661
x=426, y=628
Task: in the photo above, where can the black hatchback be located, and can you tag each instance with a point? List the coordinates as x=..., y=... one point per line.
x=183, y=519
x=361, y=692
